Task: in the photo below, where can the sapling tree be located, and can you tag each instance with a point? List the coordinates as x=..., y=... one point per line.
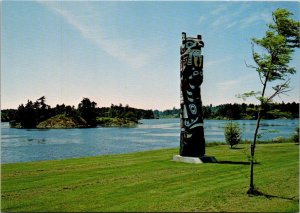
x=272, y=54
x=233, y=134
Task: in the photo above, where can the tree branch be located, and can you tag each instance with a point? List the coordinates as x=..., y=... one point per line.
x=250, y=66
x=260, y=78
x=280, y=89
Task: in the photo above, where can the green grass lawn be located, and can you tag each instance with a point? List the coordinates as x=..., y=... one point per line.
x=151, y=181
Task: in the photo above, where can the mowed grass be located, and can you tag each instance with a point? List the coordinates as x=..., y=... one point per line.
x=151, y=181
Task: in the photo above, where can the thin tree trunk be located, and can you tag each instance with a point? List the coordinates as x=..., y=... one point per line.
x=252, y=189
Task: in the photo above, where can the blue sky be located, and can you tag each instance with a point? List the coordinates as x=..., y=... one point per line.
x=128, y=52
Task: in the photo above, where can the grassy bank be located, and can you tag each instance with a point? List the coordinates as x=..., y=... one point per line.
x=150, y=181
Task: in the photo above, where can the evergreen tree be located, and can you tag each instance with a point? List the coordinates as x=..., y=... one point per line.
x=87, y=110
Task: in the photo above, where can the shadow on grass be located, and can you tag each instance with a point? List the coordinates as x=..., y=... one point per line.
x=268, y=196
x=235, y=162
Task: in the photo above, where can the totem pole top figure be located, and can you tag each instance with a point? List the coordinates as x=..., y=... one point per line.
x=191, y=45
x=192, y=142
x=191, y=58
x=193, y=41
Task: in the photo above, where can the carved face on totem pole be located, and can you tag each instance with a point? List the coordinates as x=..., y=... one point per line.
x=191, y=74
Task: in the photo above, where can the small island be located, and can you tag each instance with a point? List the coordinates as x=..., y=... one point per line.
x=39, y=115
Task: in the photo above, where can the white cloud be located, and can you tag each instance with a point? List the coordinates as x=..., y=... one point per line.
x=218, y=10
x=202, y=19
x=231, y=24
x=212, y=63
x=121, y=49
x=237, y=81
x=253, y=18
x=225, y=19
x=220, y=22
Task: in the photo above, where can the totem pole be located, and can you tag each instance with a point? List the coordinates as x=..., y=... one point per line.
x=192, y=142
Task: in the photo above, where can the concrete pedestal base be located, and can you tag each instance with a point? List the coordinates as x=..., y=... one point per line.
x=204, y=159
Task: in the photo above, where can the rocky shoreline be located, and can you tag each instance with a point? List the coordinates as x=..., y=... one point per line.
x=63, y=121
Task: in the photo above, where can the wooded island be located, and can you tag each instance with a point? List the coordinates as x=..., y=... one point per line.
x=40, y=115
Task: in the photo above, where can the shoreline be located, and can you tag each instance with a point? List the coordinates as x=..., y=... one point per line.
x=208, y=145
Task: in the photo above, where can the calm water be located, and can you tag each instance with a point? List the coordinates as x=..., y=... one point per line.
x=21, y=145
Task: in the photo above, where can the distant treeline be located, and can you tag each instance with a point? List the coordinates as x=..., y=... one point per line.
x=33, y=113
x=240, y=111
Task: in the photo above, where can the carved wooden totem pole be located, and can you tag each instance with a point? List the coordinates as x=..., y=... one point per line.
x=192, y=142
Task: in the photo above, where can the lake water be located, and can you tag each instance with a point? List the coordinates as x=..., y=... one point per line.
x=21, y=145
